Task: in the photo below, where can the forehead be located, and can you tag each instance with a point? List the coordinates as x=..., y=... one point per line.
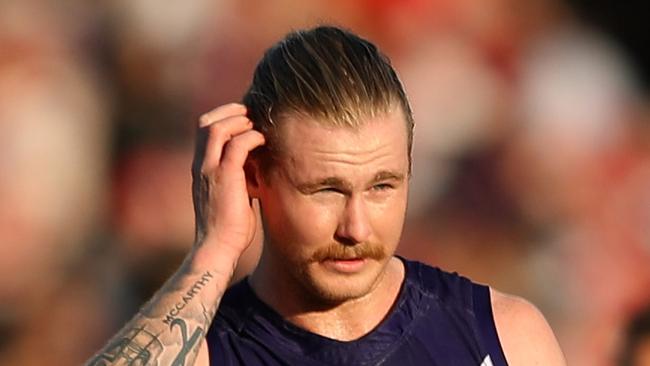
x=312, y=148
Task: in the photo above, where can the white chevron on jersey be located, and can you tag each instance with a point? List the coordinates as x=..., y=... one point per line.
x=487, y=361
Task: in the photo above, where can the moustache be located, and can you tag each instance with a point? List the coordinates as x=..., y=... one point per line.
x=337, y=251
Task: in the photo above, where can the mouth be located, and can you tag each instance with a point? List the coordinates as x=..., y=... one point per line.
x=345, y=265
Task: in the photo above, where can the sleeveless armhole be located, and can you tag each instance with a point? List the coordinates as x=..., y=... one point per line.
x=486, y=326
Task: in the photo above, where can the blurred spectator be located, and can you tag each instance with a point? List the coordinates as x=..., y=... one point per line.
x=532, y=153
x=567, y=167
x=53, y=162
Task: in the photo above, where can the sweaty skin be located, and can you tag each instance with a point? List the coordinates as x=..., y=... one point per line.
x=342, y=192
x=334, y=209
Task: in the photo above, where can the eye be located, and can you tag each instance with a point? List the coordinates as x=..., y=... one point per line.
x=328, y=190
x=382, y=187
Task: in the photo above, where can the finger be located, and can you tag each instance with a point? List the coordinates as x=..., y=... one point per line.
x=237, y=149
x=227, y=126
x=219, y=134
x=200, y=145
x=222, y=112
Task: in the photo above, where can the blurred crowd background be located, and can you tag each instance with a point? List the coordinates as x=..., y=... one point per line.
x=531, y=157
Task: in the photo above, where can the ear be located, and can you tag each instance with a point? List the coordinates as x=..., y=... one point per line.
x=253, y=173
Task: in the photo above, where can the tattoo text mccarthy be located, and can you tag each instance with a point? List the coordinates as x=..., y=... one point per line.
x=189, y=295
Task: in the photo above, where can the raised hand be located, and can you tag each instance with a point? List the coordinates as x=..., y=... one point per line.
x=170, y=329
x=223, y=210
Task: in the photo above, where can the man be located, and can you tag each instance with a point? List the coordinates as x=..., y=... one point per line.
x=323, y=143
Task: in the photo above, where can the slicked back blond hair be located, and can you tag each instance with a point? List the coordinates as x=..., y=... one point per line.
x=325, y=73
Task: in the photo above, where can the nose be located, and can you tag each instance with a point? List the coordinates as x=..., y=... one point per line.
x=354, y=226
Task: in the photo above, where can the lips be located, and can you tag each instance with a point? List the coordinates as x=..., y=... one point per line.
x=345, y=265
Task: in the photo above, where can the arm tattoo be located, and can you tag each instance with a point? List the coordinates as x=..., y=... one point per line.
x=188, y=344
x=138, y=347
x=152, y=343
x=187, y=297
x=130, y=351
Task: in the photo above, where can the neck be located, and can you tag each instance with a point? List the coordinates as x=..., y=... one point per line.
x=343, y=321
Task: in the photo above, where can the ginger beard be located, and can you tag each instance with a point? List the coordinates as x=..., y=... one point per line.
x=334, y=207
x=319, y=276
x=333, y=273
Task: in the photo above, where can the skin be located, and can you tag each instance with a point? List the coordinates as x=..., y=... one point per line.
x=333, y=211
x=339, y=188
x=525, y=336
x=170, y=328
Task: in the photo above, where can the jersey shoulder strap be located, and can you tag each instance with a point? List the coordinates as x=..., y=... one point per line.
x=486, y=326
x=456, y=291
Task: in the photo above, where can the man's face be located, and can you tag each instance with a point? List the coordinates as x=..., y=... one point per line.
x=334, y=205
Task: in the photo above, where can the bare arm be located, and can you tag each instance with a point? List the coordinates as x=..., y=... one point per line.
x=524, y=333
x=170, y=329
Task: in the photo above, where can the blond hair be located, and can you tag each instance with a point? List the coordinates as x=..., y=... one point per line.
x=325, y=73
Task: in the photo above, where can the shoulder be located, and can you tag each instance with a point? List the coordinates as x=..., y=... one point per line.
x=435, y=280
x=234, y=309
x=435, y=285
x=524, y=333
x=227, y=326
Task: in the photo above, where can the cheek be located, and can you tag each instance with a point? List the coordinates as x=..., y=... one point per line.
x=313, y=223
x=388, y=218
x=296, y=220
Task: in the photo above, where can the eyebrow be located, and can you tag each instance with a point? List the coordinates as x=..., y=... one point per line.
x=384, y=175
x=387, y=175
x=325, y=182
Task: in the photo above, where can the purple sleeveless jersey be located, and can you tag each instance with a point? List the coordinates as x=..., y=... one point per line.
x=440, y=318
